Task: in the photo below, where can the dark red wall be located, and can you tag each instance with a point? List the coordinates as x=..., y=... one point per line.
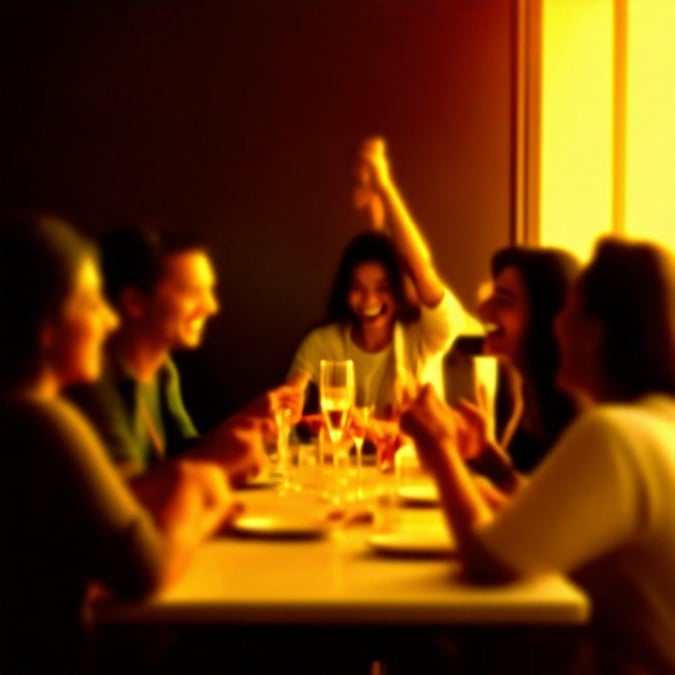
x=237, y=118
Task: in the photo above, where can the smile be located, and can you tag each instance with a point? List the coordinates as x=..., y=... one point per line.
x=196, y=325
x=373, y=311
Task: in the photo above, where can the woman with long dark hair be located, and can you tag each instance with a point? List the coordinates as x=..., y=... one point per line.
x=529, y=286
x=393, y=342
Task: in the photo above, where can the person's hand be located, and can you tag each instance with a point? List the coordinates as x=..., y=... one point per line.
x=472, y=429
x=238, y=446
x=189, y=500
x=432, y=425
x=202, y=488
x=372, y=164
x=273, y=401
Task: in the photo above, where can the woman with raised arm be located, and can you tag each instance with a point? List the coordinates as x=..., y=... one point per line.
x=369, y=319
x=67, y=518
x=600, y=506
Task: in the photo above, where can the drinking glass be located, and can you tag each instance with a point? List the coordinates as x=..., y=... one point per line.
x=284, y=459
x=361, y=417
x=336, y=396
x=336, y=393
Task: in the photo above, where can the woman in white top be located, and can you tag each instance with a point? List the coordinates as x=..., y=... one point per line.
x=600, y=507
x=370, y=319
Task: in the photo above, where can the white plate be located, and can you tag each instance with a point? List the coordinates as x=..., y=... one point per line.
x=419, y=495
x=262, y=481
x=279, y=527
x=412, y=543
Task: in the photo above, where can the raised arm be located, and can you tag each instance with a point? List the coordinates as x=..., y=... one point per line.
x=375, y=175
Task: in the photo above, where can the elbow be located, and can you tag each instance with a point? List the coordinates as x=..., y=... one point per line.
x=482, y=567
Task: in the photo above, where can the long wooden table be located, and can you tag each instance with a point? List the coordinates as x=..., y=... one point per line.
x=340, y=578
x=269, y=599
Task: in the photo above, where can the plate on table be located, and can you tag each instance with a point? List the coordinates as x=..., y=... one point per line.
x=267, y=480
x=279, y=527
x=419, y=495
x=412, y=543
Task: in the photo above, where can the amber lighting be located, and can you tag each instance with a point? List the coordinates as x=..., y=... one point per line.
x=650, y=121
x=607, y=120
x=576, y=132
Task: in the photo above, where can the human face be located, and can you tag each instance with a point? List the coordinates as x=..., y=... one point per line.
x=76, y=336
x=370, y=296
x=177, y=310
x=506, y=312
x=577, y=336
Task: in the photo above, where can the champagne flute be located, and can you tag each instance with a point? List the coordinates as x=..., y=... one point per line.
x=336, y=394
x=282, y=418
x=361, y=417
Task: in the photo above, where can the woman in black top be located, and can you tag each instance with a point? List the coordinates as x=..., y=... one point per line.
x=528, y=290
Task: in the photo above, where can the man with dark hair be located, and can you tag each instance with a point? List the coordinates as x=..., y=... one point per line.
x=162, y=285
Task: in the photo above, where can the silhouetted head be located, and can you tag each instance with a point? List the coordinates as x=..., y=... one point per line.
x=368, y=285
x=617, y=331
x=53, y=311
x=529, y=289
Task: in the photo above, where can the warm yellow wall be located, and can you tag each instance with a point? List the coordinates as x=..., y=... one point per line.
x=584, y=145
x=650, y=121
x=576, y=130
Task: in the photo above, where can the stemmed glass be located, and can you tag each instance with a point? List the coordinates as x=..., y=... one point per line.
x=282, y=419
x=336, y=394
x=359, y=426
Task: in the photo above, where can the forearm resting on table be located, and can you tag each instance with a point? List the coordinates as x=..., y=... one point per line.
x=467, y=509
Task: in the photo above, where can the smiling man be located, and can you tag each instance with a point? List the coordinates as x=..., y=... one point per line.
x=163, y=287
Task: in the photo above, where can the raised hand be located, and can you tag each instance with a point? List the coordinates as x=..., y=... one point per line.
x=237, y=446
x=432, y=425
x=472, y=429
x=373, y=165
x=267, y=405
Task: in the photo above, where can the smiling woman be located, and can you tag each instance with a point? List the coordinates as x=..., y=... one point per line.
x=529, y=288
x=394, y=341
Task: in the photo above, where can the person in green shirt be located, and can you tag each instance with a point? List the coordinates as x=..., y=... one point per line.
x=68, y=520
x=162, y=283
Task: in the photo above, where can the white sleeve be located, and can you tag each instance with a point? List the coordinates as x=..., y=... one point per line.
x=441, y=324
x=583, y=501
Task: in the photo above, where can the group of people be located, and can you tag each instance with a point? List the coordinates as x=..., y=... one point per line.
x=107, y=480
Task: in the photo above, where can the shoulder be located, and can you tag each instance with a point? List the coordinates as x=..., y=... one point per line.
x=56, y=422
x=623, y=433
x=324, y=336
x=627, y=419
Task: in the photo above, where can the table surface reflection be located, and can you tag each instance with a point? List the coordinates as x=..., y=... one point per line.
x=341, y=579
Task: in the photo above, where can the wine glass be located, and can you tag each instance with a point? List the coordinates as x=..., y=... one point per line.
x=359, y=426
x=336, y=395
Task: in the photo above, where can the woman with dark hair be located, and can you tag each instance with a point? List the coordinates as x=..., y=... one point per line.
x=369, y=318
x=528, y=290
x=600, y=506
x=67, y=519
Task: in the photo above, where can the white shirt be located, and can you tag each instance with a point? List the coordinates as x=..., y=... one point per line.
x=415, y=354
x=602, y=506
